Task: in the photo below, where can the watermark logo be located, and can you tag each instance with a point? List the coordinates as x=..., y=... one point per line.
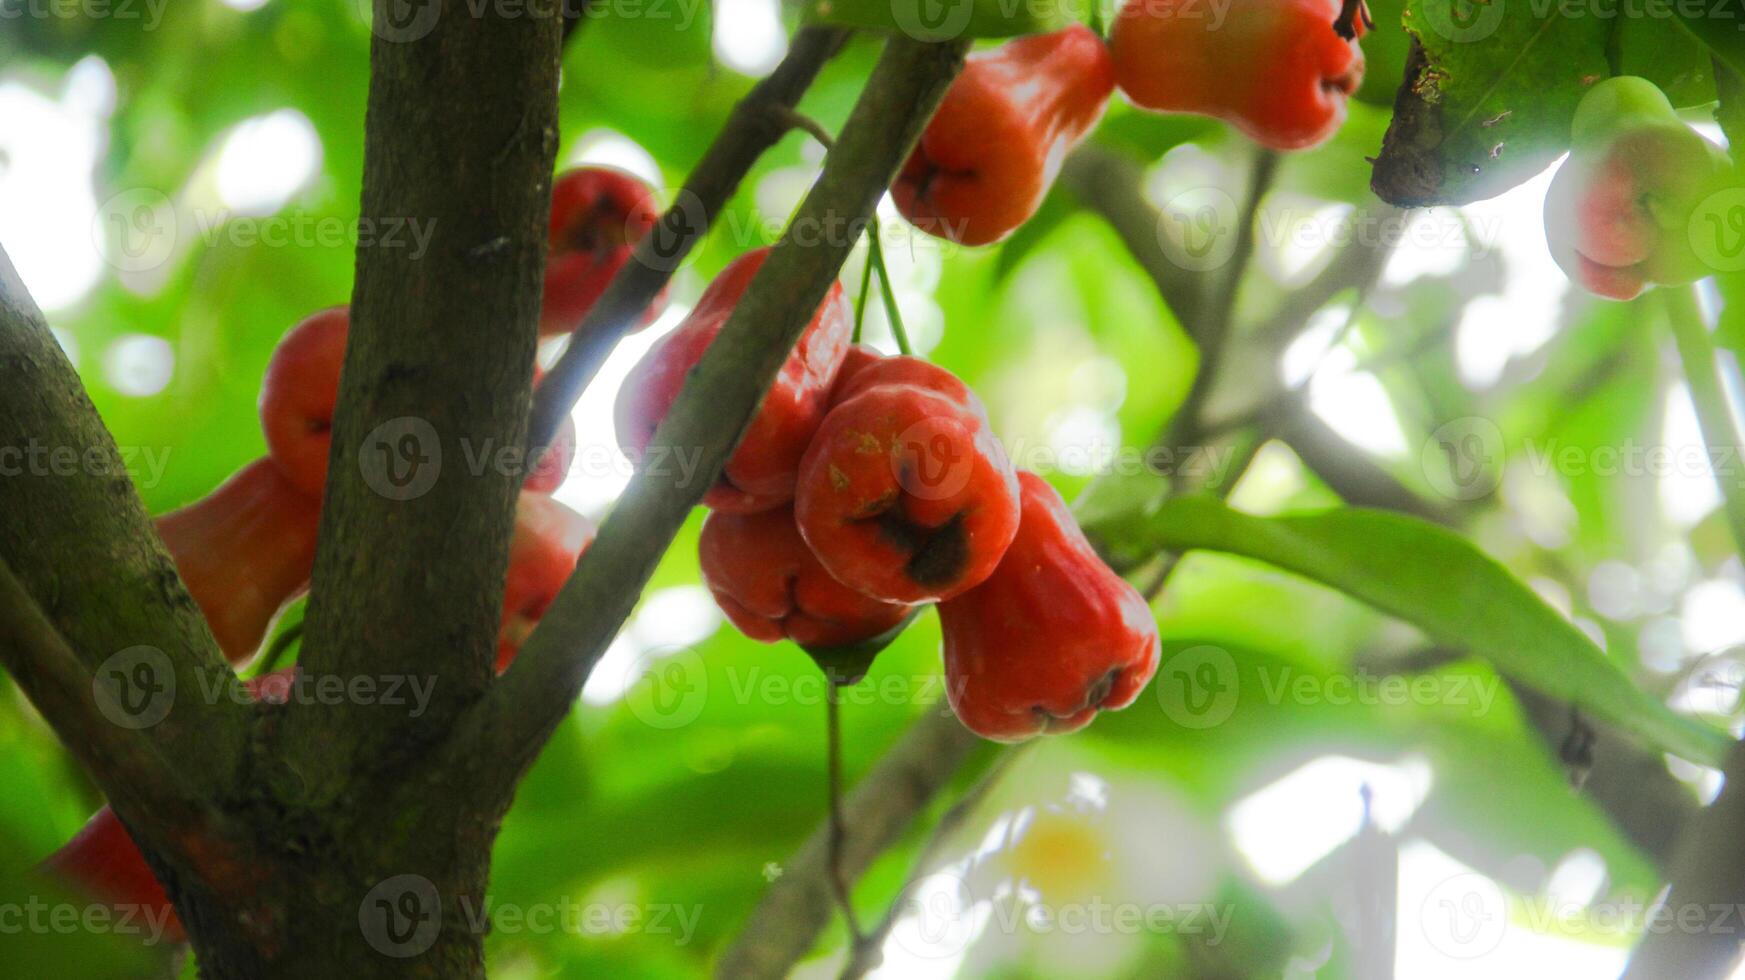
x=401, y=21
x=671, y=238
x=1198, y=229
x=936, y=916
x=135, y=688
x=933, y=460
x=667, y=687
x=1199, y=687
x=401, y=916
x=1713, y=685
x=1717, y=230
x=1463, y=459
x=135, y=230
x=932, y=20
x=1464, y=21
x=401, y=458
x=1465, y=916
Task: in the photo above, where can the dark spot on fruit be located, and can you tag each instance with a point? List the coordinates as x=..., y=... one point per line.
x=1099, y=692
x=937, y=556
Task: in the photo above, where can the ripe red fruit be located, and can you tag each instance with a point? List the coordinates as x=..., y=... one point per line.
x=597, y=217
x=549, y=538
x=548, y=474
x=298, y=394
x=1051, y=638
x=865, y=368
x=761, y=472
x=771, y=586
x=998, y=140
x=244, y=551
x=103, y=861
x=1274, y=69
x=301, y=389
x=905, y=494
x=1621, y=211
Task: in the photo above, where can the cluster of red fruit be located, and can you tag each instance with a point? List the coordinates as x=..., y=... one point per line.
x=1275, y=69
x=1636, y=204
x=246, y=551
x=867, y=485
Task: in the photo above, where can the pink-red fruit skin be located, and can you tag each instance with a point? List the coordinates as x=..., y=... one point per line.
x=298, y=394
x=1051, y=638
x=769, y=583
x=996, y=143
x=597, y=216
x=1274, y=69
x=244, y=551
x=905, y=494
x=761, y=472
x=1624, y=211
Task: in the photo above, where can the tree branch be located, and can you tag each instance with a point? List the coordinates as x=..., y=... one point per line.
x=1213, y=335
x=758, y=122
x=153, y=795
x=1708, y=873
x=798, y=906
x=716, y=403
x=83, y=550
x=1109, y=184
x=408, y=583
x=1632, y=786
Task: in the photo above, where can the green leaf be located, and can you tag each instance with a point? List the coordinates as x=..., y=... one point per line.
x=940, y=20
x=1438, y=581
x=1487, y=99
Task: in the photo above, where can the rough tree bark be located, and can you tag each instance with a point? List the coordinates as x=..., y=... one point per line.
x=354, y=839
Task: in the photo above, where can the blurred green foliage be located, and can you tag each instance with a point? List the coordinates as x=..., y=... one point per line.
x=628, y=810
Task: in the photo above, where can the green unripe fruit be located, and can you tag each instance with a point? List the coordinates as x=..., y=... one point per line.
x=1618, y=104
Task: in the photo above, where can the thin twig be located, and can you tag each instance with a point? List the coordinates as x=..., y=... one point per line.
x=1214, y=334
x=893, y=315
x=717, y=401
x=795, y=119
x=1354, y=20
x=865, y=294
x=866, y=951
x=1714, y=415
x=754, y=127
x=838, y=833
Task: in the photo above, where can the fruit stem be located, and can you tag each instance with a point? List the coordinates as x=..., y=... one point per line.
x=838, y=831
x=876, y=253
x=865, y=291
x=1714, y=416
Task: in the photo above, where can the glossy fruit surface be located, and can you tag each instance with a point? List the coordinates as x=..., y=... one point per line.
x=1051, y=638
x=996, y=143
x=244, y=551
x=769, y=583
x=548, y=539
x=905, y=494
x=866, y=368
x=1625, y=211
x=761, y=472
x=301, y=390
x=298, y=394
x=597, y=216
x=1274, y=69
